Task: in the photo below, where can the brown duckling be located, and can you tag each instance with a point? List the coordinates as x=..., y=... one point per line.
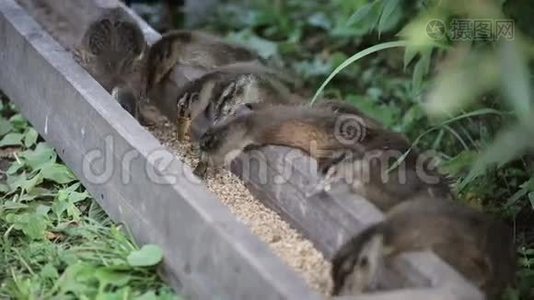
x=388, y=172
x=219, y=93
x=309, y=129
x=182, y=56
x=348, y=147
x=112, y=50
x=476, y=245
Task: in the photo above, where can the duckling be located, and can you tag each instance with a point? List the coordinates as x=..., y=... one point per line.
x=310, y=129
x=348, y=147
x=372, y=175
x=388, y=172
x=227, y=92
x=220, y=93
x=476, y=245
x=181, y=56
x=112, y=49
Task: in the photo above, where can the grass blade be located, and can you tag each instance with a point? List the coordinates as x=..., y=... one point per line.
x=354, y=58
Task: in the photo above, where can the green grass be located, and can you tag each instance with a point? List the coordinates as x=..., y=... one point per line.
x=55, y=241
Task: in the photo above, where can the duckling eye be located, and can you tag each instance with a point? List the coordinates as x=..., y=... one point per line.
x=363, y=262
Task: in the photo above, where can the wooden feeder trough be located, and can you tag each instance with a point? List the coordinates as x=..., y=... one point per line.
x=208, y=252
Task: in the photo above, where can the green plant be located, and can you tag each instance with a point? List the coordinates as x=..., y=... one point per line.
x=55, y=241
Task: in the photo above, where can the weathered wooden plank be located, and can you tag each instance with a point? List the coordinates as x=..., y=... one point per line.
x=137, y=181
x=442, y=281
x=281, y=177
x=426, y=268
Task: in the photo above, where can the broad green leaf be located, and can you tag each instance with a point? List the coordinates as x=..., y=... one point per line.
x=11, y=139
x=5, y=126
x=361, y=13
x=49, y=271
x=59, y=207
x=27, y=197
x=66, y=202
x=31, y=224
x=107, y=276
x=42, y=192
x=14, y=168
x=42, y=210
x=30, y=137
x=41, y=156
x=57, y=173
x=75, y=197
x=10, y=205
x=74, y=276
x=69, y=194
x=23, y=182
x=148, y=255
x=19, y=122
x=389, y=8
x=73, y=187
